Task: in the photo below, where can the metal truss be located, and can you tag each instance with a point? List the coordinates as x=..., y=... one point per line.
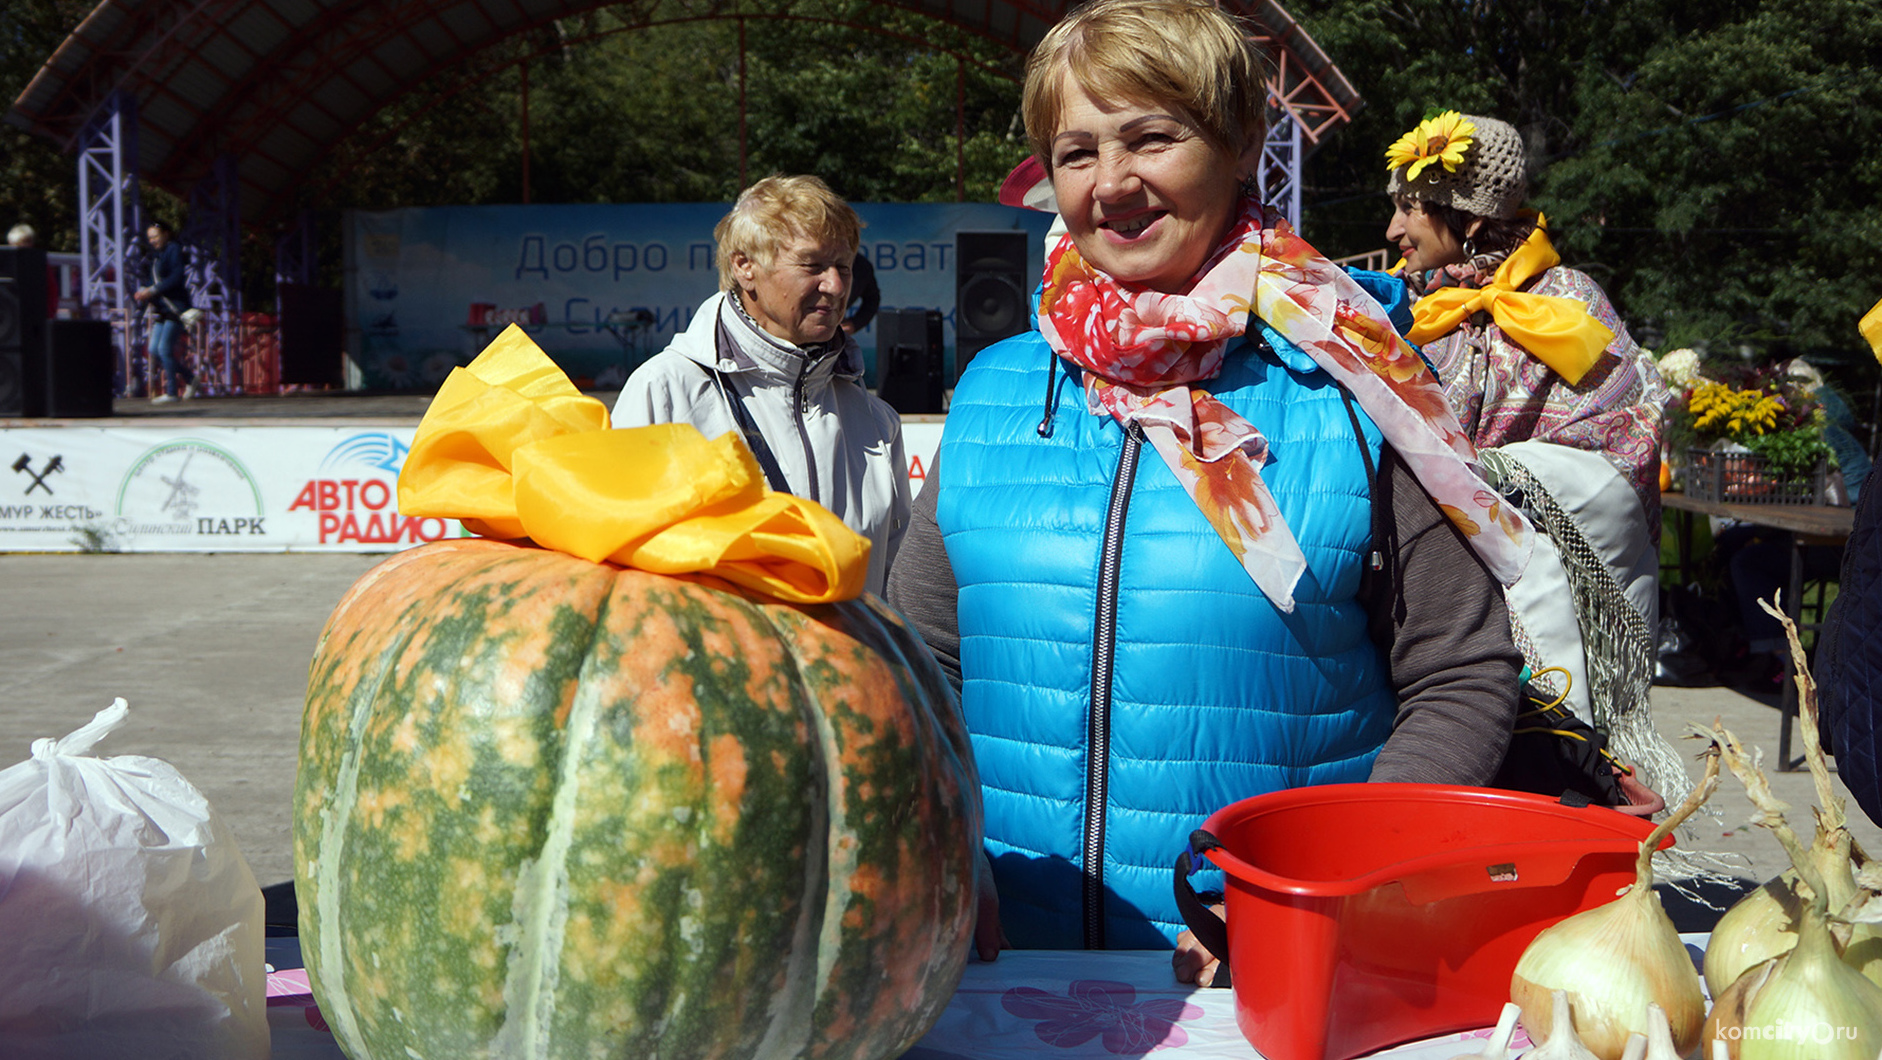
x=212, y=250
x=1317, y=110
x=1306, y=83
x=111, y=219
x=1281, y=166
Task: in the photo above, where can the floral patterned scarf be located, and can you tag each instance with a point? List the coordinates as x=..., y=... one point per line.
x=1140, y=349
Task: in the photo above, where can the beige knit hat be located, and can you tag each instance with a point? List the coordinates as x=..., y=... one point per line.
x=1489, y=182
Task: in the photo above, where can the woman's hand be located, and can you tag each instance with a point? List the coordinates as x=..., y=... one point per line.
x=989, y=936
x=1192, y=962
x=142, y=294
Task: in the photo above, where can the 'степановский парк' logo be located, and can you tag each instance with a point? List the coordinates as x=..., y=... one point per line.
x=189, y=488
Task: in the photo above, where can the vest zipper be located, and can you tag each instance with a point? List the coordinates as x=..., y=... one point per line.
x=1098, y=720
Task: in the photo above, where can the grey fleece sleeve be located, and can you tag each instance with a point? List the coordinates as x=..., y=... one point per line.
x=1439, y=616
x=921, y=582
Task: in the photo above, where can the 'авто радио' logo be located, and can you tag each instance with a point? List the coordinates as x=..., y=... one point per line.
x=361, y=507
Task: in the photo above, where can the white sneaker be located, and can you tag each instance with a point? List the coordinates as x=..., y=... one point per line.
x=189, y=391
x=161, y=398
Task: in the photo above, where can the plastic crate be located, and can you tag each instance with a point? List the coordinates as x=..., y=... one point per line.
x=1741, y=478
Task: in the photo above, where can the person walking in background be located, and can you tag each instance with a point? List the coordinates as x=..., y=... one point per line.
x=167, y=298
x=767, y=357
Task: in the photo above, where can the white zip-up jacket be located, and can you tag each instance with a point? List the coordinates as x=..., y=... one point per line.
x=834, y=441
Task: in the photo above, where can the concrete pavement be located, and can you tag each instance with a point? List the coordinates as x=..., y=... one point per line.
x=211, y=651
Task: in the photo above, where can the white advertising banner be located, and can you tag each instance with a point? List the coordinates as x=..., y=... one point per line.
x=230, y=489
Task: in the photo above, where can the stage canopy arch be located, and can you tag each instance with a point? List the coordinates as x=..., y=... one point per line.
x=276, y=84
x=234, y=103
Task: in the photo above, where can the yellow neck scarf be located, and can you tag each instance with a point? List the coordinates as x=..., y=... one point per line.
x=1871, y=328
x=512, y=450
x=1556, y=331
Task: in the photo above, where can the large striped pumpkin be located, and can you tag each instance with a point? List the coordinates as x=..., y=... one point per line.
x=549, y=808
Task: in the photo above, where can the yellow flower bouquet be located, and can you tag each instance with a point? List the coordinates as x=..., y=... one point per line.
x=1757, y=439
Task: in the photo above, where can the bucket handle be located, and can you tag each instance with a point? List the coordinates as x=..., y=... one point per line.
x=1203, y=923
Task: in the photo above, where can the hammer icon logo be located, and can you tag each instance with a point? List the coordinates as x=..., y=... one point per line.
x=25, y=463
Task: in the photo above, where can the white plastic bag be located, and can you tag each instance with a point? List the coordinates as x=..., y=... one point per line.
x=130, y=926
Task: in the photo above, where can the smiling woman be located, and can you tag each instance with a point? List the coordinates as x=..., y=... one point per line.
x=1528, y=348
x=1142, y=188
x=1542, y=372
x=1147, y=185
x=1272, y=601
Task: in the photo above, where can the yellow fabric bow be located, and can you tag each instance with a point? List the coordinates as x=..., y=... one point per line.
x=1556, y=331
x=513, y=450
x=1871, y=328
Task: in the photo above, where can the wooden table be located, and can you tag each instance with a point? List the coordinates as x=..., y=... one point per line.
x=1809, y=524
x=1821, y=520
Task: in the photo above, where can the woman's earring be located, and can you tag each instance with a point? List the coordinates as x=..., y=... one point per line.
x=1248, y=186
x=1470, y=250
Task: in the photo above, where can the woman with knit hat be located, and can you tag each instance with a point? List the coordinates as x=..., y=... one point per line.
x=1562, y=404
x=1526, y=347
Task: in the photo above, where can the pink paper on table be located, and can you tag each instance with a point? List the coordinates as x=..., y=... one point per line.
x=287, y=983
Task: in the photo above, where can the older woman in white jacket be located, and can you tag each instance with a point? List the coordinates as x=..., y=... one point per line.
x=767, y=357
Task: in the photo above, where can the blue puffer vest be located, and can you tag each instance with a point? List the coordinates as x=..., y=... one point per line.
x=1212, y=694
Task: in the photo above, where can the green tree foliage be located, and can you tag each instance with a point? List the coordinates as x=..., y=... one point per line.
x=1731, y=178
x=1518, y=62
x=37, y=183
x=641, y=104
x=877, y=118
x=1711, y=163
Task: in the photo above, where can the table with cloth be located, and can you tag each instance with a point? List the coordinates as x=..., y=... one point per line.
x=1070, y=1004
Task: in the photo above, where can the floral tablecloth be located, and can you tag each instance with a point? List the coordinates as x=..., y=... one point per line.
x=1029, y=1003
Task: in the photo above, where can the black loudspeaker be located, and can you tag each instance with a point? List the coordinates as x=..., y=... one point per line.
x=990, y=291
x=22, y=331
x=78, y=368
x=313, y=335
x=909, y=357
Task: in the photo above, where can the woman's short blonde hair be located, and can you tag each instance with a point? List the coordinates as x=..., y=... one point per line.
x=776, y=210
x=1189, y=54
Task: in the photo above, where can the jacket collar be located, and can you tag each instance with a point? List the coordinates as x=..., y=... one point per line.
x=722, y=337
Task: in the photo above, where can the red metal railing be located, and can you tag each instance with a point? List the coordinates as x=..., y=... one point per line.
x=260, y=363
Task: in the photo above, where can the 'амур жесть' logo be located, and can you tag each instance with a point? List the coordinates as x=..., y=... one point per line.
x=356, y=496
x=189, y=489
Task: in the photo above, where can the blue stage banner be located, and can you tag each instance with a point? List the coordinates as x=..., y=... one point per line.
x=599, y=287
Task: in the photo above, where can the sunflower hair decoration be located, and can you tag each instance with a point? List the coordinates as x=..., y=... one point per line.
x=1443, y=138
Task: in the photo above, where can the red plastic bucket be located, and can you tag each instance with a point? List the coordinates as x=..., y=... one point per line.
x=1362, y=916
